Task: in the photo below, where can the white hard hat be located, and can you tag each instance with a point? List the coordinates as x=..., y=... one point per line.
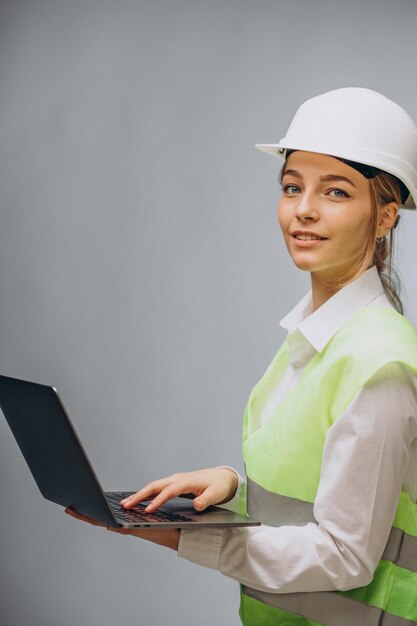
x=359, y=125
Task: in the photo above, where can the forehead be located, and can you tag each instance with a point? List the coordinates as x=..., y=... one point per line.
x=314, y=163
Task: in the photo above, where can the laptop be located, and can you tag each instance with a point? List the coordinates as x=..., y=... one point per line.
x=64, y=475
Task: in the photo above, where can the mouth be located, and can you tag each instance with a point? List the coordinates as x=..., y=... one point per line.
x=302, y=236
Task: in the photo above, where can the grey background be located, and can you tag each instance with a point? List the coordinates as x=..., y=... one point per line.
x=141, y=268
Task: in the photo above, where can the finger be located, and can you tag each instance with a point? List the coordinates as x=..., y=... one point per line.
x=147, y=492
x=77, y=515
x=83, y=518
x=171, y=491
x=211, y=495
x=138, y=497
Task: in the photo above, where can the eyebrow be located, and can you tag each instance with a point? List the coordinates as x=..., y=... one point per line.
x=323, y=179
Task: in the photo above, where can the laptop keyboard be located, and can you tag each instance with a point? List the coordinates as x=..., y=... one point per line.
x=137, y=513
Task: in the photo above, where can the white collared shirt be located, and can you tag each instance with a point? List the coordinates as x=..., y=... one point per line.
x=370, y=453
x=308, y=333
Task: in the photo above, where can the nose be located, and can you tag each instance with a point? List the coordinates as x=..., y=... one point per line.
x=307, y=208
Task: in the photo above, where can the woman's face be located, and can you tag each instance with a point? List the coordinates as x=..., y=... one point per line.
x=324, y=213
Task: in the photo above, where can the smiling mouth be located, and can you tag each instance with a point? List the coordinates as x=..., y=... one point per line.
x=309, y=237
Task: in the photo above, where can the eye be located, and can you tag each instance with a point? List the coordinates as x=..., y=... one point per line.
x=339, y=193
x=290, y=189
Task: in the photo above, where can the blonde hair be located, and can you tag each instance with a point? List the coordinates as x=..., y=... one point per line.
x=384, y=189
x=379, y=252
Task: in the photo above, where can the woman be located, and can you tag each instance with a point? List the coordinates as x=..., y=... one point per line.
x=330, y=431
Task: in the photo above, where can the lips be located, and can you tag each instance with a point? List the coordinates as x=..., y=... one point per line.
x=307, y=236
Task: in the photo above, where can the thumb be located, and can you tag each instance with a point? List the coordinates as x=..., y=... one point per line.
x=208, y=497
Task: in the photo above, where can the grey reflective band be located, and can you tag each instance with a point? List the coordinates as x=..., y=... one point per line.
x=393, y=547
x=401, y=549
x=276, y=510
x=328, y=608
x=394, y=620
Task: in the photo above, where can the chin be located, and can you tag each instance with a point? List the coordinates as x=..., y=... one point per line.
x=304, y=265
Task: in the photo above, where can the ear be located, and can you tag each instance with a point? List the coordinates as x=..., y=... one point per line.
x=387, y=216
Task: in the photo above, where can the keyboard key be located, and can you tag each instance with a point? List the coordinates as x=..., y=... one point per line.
x=137, y=514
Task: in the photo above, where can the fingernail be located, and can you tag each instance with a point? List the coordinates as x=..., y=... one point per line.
x=148, y=508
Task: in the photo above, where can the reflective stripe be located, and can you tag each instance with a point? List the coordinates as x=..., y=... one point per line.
x=408, y=556
x=276, y=510
x=393, y=547
x=329, y=609
x=394, y=620
x=401, y=548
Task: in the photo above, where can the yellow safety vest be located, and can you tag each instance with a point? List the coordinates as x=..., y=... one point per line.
x=283, y=459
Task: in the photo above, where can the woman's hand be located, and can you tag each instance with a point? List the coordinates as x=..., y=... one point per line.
x=211, y=486
x=168, y=537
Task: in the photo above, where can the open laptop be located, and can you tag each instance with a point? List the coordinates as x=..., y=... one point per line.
x=63, y=473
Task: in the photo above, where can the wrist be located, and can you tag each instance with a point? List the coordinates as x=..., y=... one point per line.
x=167, y=537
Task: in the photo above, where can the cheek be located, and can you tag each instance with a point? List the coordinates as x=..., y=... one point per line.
x=356, y=234
x=283, y=217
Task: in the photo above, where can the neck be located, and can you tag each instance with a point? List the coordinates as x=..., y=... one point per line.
x=320, y=292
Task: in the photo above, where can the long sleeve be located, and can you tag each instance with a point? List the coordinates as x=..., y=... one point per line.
x=370, y=453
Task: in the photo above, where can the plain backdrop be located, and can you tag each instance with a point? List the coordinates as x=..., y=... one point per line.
x=142, y=271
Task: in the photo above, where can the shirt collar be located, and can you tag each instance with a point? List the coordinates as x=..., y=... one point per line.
x=319, y=327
